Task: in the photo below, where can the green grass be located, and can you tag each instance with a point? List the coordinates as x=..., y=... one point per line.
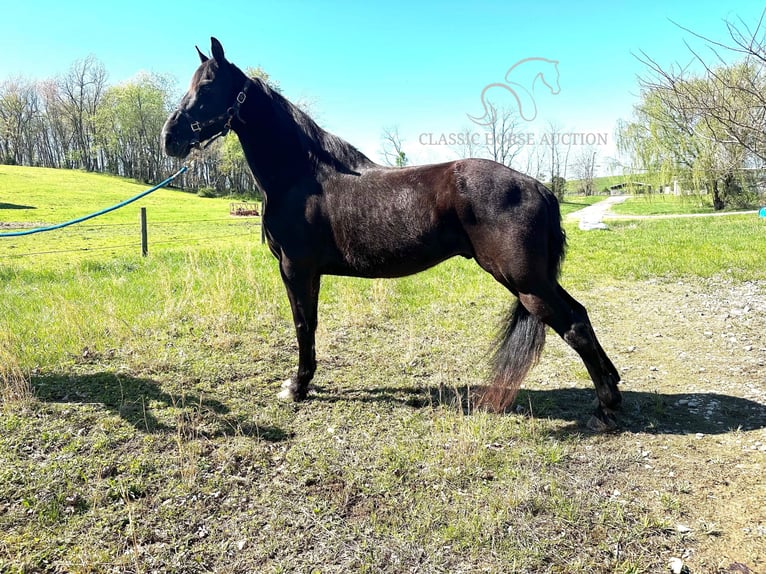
x=660, y=204
x=669, y=248
x=54, y=195
x=41, y=196
x=602, y=184
x=139, y=430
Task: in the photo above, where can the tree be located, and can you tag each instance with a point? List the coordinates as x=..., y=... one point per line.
x=77, y=120
x=557, y=157
x=558, y=186
x=392, y=150
x=502, y=142
x=53, y=137
x=234, y=166
x=129, y=120
x=735, y=100
x=704, y=128
x=585, y=168
x=675, y=137
x=80, y=93
x=499, y=138
x=18, y=108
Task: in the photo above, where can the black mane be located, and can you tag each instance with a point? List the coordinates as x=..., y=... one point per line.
x=320, y=146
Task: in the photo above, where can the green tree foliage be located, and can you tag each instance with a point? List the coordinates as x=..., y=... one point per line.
x=128, y=123
x=558, y=186
x=703, y=129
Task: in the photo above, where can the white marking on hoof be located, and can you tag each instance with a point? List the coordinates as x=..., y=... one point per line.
x=287, y=393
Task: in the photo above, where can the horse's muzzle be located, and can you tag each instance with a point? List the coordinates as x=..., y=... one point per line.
x=174, y=142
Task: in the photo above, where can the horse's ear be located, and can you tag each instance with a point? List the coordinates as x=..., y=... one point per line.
x=202, y=57
x=217, y=50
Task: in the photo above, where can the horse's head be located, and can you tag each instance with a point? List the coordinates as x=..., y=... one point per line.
x=551, y=77
x=217, y=90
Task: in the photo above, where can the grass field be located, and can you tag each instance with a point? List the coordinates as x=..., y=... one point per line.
x=660, y=204
x=141, y=431
x=36, y=197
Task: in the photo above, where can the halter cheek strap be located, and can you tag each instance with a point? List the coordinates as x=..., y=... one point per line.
x=229, y=115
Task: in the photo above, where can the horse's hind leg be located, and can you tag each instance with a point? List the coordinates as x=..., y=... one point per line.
x=303, y=293
x=569, y=319
x=580, y=309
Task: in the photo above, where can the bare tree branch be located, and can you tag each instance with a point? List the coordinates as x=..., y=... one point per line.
x=392, y=148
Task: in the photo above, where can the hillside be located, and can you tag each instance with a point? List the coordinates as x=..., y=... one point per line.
x=31, y=197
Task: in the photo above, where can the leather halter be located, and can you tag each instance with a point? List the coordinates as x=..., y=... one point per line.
x=231, y=113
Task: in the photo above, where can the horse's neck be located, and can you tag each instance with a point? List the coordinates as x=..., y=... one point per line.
x=273, y=153
x=280, y=150
x=274, y=171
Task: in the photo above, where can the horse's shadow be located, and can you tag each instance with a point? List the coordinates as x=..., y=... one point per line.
x=648, y=412
x=136, y=400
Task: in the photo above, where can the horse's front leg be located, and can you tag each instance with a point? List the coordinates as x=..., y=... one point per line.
x=303, y=292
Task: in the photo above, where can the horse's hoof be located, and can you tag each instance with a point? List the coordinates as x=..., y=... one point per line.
x=292, y=392
x=597, y=425
x=602, y=421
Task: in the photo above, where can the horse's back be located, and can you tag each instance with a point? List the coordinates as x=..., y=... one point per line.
x=388, y=222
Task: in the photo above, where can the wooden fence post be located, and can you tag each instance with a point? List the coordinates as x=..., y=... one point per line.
x=144, y=236
x=263, y=229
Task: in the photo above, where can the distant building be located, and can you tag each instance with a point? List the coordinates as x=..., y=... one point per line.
x=629, y=187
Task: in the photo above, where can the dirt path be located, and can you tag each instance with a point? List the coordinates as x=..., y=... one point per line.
x=593, y=216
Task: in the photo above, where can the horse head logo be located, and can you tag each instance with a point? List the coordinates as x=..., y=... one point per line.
x=520, y=81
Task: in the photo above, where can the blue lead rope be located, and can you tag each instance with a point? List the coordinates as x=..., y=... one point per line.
x=98, y=213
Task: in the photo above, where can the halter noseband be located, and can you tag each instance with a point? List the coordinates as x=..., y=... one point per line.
x=229, y=115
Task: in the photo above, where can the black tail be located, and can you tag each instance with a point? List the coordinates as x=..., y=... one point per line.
x=522, y=339
x=557, y=239
x=516, y=351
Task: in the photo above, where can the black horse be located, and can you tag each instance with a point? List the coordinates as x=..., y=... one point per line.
x=331, y=210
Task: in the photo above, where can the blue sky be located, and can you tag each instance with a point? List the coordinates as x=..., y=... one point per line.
x=420, y=66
